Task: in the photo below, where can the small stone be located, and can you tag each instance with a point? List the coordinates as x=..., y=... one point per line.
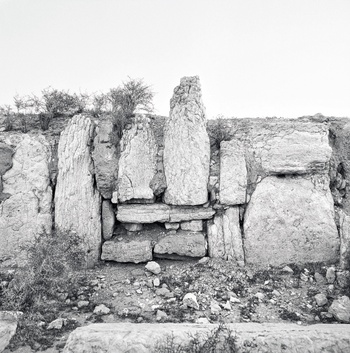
x=234, y=300
x=153, y=267
x=321, y=299
x=260, y=296
x=287, y=269
x=133, y=227
x=156, y=282
x=161, y=315
x=340, y=309
x=304, y=277
x=319, y=278
x=203, y=260
x=57, y=324
x=343, y=279
x=190, y=300
x=139, y=291
x=164, y=292
x=202, y=320
x=101, y=310
x=214, y=307
x=276, y=293
x=83, y=304
x=172, y=226
x=330, y=275
x=227, y=306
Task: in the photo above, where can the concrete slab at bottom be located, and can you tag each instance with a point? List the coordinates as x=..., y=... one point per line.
x=250, y=337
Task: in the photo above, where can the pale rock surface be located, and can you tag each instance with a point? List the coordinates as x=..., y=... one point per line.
x=330, y=274
x=183, y=243
x=340, y=309
x=101, y=310
x=291, y=148
x=321, y=299
x=134, y=250
x=344, y=221
x=77, y=202
x=133, y=227
x=233, y=173
x=159, y=212
x=57, y=324
x=174, y=226
x=291, y=220
x=153, y=267
x=195, y=226
x=105, y=156
x=26, y=212
x=137, y=163
x=224, y=236
x=250, y=337
x=190, y=300
x=108, y=219
x=8, y=326
x=186, y=146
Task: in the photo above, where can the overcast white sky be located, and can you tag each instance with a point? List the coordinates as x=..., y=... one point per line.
x=254, y=57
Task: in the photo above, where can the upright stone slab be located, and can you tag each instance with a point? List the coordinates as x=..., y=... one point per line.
x=186, y=146
x=291, y=220
x=26, y=210
x=344, y=223
x=108, y=219
x=77, y=202
x=105, y=156
x=224, y=236
x=233, y=173
x=138, y=163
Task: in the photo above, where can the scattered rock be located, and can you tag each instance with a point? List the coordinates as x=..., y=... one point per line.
x=161, y=315
x=133, y=227
x=156, y=282
x=57, y=324
x=83, y=304
x=330, y=275
x=343, y=278
x=321, y=299
x=340, y=309
x=202, y=320
x=214, y=307
x=319, y=278
x=101, y=310
x=203, y=260
x=153, y=267
x=260, y=296
x=287, y=269
x=227, y=306
x=190, y=300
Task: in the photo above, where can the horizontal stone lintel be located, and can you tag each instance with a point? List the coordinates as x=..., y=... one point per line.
x=137, y=213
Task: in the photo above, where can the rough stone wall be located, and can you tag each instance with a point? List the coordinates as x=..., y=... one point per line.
x=77, y=202
x=26, y=202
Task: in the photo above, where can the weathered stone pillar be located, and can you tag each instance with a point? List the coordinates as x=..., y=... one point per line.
x=77, y=202
x=186, y=146
x=138, y=162
x=25, y=206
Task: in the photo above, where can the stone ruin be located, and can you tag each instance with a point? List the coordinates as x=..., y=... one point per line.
x=274, y=193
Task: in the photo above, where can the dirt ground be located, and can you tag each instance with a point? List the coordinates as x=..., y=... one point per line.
x=224, y=293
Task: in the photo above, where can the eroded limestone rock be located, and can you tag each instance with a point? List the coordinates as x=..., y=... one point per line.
x=183, y=243
x=224, y=236
x=130, y=249
x=105, y=156
x=26, y=212
x=77, y=202
x=291, y=220
x=249, y=337
x=108, y=219
x=138, y=163
x=233, y=173
x=344, y=222
x=186, y=146
x=159, y=212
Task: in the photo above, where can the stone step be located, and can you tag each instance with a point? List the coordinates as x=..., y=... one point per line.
x=249, y=337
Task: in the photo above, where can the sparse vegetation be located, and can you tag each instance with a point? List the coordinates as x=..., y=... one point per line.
x=219, y=132
x=220, y=339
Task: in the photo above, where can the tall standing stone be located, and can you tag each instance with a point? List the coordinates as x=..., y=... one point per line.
x=26, y=210
x=105, y=156
x=186, y=146
x=138, y=163
x=77, y=202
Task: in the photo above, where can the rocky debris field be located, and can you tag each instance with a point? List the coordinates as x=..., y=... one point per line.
x=197, y=291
